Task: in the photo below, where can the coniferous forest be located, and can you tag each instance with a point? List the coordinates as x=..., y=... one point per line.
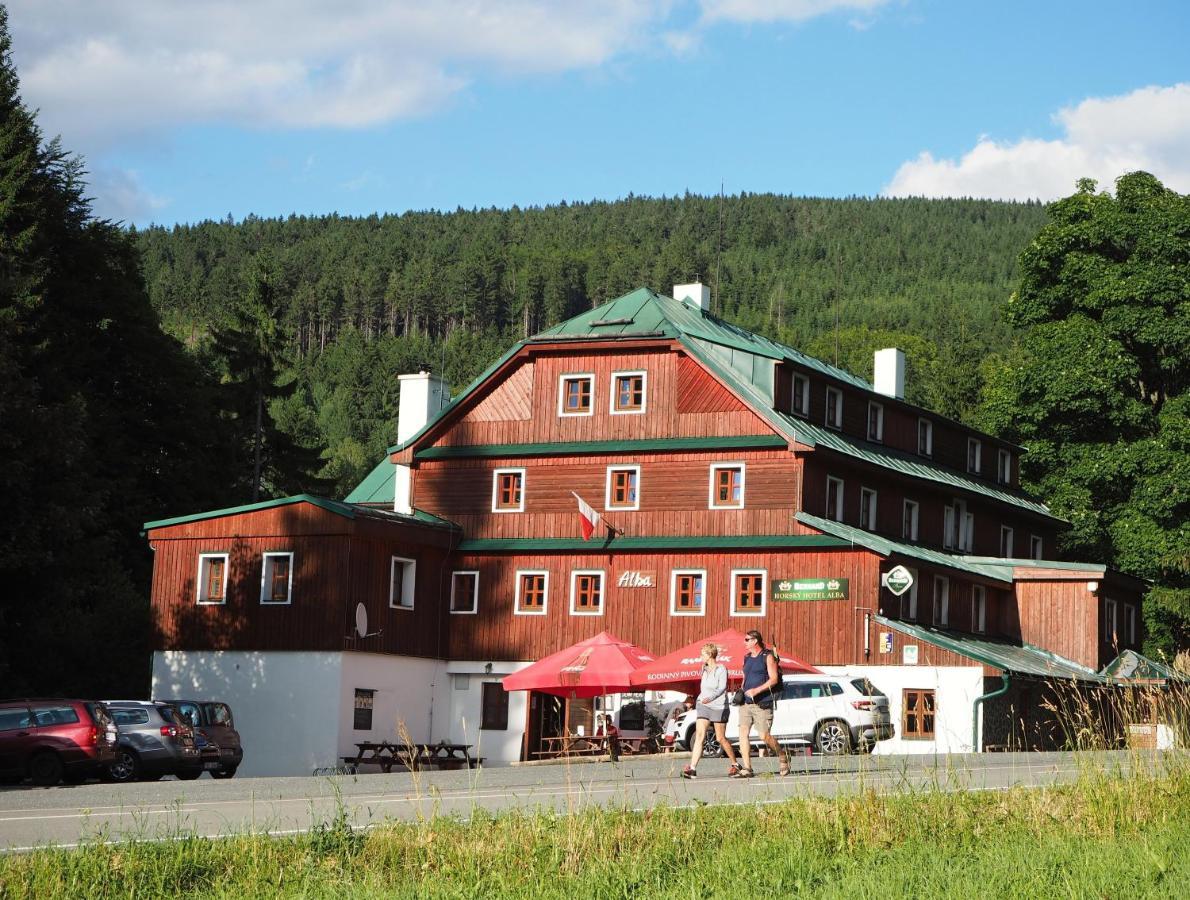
x=156, y=372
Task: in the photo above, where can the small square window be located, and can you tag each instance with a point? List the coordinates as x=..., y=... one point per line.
x=276, y=578
x=974, y=455
x=834, y=499
x=212, y=579
x=464, y=593
x=628, y=392
x=801, y=395
x=875, y=422
x=623, y=487
x=925, y=437
x=748, y=592
x=508, y=490
x=402, y=581
x=532, y=591
x=687, y=592
x=979, y=608
x=909, y=520
x=586, y=592
x=575, y=395
x=834, y=408
x=1004, y=467
x=867, y=509
x=727, y=486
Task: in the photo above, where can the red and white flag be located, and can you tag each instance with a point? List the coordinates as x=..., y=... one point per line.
x=590, y=518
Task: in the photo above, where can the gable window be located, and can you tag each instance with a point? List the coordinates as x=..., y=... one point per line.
x=1036, y=548
x=1005, y=541
x=586, y=592
x=464, y=593
x=834, y=408
x=748, y=592
x=532, y=590
x=918, y=712
x=801, y=395
x=628, y=392
x=1004, y=467
x=867, y=509
x=493, y=707
x=909, y=600
x=508, y=490
x=925, y=437
x=974, y=455
x=875, y=422
x=574, y=395
x=727, y=486
x=834, y=498
x=686, y=588
x=941, y=600
x=212, y=579
x=276, y=578
x=1109, y=621
x=909, y=520
x=623, y=487
x=362, y=719
x=402, y=580
x=979, y=608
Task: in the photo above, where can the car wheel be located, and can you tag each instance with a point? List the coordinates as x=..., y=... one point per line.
x=188, y=776
x=710, y=745
x=126, y=768
x=833, y=738
x=224, y=773
x=45, y=769
x=689, y=741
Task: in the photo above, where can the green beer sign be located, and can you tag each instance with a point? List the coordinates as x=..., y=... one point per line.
x=810, y=589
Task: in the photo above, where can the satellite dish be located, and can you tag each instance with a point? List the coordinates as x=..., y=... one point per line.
x=361, y=620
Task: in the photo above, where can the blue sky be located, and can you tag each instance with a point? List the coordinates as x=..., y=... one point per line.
x=186, y=111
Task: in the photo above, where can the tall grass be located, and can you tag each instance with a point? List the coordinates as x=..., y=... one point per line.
x=1105, y=835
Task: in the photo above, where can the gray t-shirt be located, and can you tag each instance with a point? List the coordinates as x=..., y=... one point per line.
x=714, y=686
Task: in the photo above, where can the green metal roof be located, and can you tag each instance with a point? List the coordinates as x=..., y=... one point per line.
x=338, y=507
x=1018, y=658
x=1015, y=563
x=574, y=447
x=887, y=547
x=378, y=485
x=659, y=542
x=1133, y=666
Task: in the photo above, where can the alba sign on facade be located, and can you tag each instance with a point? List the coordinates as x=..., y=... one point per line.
x=810, y=589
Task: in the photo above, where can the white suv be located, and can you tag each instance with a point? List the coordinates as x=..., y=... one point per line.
x=832, y=713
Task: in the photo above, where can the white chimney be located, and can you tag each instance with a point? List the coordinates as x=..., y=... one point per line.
x=889, y=378
x=696, y=295
x=422, y=396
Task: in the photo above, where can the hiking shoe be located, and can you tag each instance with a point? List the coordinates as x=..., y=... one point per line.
x=689, y=772
x=733, y=771
x=744, y=773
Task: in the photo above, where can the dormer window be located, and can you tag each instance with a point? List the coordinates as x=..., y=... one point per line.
x=801, y=395
x=1004, y=467
x=834, y=408
x=925, y=437
x=628, y=392
x=574, y=395
x=974, y=454
x=875, y=422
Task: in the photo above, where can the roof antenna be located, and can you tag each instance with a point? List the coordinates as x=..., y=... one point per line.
x=719, y=248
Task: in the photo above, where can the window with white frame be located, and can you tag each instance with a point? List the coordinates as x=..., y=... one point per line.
x=727, y=486
x=586, y=592
x=748, y=590
x=532, y=592
x=687, y=592
x=834, y=498
x=622, y=490
x=875, y=421
x=967, y=536
x=979, y=608
x=212, y=579
x=1109, y=621
x=974, y=454
x=1005, y=541
x=909, y=600
x=464, y=593
x=508, y=490
x=925, y=437
x=402, y=581
x=576, y=395
x=834, y=408
x=1130, y=622
x=1036, y=547
x=867, y=509
x=628, y=393
x=909, y=520
x=1004, y=467
x=801, y=395
x=949, y=527
x=276, y=578
x=941, y=600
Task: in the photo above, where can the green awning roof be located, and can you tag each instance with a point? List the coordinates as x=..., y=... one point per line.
x=378, y=485
x=739, y=441
x=1018, y=658
x=659, y=542
x=1133, y=666
x=338, y=507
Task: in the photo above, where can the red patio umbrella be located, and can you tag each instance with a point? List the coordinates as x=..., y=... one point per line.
x=591, y=668
x=682, y=668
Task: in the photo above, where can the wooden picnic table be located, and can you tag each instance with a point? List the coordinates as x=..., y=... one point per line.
x=387, y=754
x=566, y=745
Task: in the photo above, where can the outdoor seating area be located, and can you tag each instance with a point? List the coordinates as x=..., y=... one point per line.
x=411, y=757
x=564, y=746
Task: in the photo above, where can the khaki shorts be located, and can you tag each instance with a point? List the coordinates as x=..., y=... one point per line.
x=752, y=715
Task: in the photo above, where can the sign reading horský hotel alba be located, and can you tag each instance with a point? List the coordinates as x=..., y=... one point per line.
x=810, y=589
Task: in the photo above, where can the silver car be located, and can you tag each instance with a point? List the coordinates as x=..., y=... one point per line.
x=154, y=740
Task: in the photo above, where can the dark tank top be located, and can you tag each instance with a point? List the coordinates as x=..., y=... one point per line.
x=756, y=673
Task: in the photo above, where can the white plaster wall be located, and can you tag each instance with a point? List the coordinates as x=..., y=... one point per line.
x=405, y=688
x=955, y=687
x=464, y=708
x=285, y=704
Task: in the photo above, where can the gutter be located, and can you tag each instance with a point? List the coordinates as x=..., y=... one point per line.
x=979, y=701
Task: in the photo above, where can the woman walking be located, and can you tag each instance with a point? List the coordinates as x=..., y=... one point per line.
x=711, y=708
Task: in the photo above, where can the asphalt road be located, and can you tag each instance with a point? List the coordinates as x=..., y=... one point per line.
x=65, y=815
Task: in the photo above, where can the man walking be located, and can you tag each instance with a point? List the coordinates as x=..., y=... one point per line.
x=760, y=678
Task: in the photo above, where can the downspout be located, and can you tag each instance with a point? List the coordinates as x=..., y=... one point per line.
x=979, y=701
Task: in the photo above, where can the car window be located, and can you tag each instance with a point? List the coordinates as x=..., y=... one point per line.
x=866, y=688
x=168, y=713
x=55, y=715
x=99, y=713
x=190, y=713
x=797, y=691
x=219, y=714
x=835, y=688
x=130, y=716
x=12, y=719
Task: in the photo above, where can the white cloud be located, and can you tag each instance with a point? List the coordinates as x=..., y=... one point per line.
x=747, y=11
x=119, y=195
x=1104, y=137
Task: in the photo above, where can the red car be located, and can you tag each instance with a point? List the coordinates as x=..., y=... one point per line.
x=55, y=740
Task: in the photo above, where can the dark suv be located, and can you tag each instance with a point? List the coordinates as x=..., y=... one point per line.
x=213, y=720
x=54, y=740
x=155, y=740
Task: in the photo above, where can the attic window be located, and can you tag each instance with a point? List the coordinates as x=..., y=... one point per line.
x=599, y=322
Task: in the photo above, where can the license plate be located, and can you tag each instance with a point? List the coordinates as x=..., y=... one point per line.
x=210, y=765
